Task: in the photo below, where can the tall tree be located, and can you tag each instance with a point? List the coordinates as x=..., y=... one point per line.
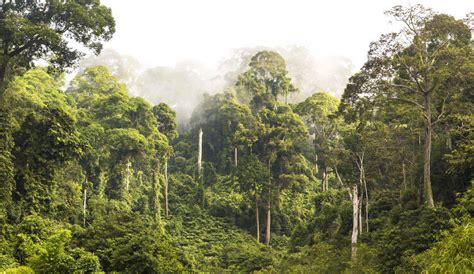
x=266, y=79
x=318, y=111
x=32, y=30
x=166, y=118
x=422, y=66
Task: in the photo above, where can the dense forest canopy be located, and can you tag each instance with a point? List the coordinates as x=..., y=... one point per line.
x=270, y=174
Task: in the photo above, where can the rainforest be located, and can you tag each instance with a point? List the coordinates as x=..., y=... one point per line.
x=278, y=165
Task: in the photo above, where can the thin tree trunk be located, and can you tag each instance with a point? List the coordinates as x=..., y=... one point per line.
x=157, y=191
x=323, y=184
x=428, y=193
x=404, y=176
x=235, y=156
x=166, y=189
x=269, y=223
x=257, y=218
x=200, y=175
x=84, y=207
x=200, y=152
x=366, y=200
x=326, y=179
x=449, y=142
x=340, y=182
x=355, y=222
x=323, y=180
x=361, y=228
x=128, y=175
x=3, y=71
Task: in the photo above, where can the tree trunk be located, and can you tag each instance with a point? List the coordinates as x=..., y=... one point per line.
x=235, y=156
x=355, y=222
x=200, y=175
x=84, y=207
x=3, y=74
x=326, y=179
x=323, y=180
x=360, y=225
x=257, y=218
x=428, y=193
x=166, y=189
x=157, y=191
x=269, y=223
x=404, y=173
x=200, y=152
x=128, y=175
x=366, y=200
x=449, y=142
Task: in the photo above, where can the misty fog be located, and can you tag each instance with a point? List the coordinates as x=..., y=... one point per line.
x=183, y=85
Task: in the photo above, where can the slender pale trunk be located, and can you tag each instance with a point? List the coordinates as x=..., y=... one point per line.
x=200, y=175
x=428, y=193
x=355, y=222
x=269, y=223
x=235, y=156
x=323, y=181
x=84, y=207
x=257, y=218
x=339, y=179
x=366, y=200
x=128, y=175
x=326, y=179
x=360, y=225
x=166, y=189
x=200, y=152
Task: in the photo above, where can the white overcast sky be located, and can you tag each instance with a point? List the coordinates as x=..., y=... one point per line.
x=159, y=32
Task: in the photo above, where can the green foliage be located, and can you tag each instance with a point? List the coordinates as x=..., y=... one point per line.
x=207, y=243
x=320, y=257
x=19, y=270
x=127, y=242
x=51, y=256
x=83, y=173
x=166, y=118
x=266, y=79
x=48, y=26
x=145, y=253
x=453, y=254
x=411, y=232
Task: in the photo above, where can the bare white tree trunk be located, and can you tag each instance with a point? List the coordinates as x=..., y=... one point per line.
x=200, y=175
x=166, y=189
x=200, y=152
x=355, y=222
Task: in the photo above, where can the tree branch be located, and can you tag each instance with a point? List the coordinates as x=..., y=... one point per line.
x=407, y=101
x=442, y=110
